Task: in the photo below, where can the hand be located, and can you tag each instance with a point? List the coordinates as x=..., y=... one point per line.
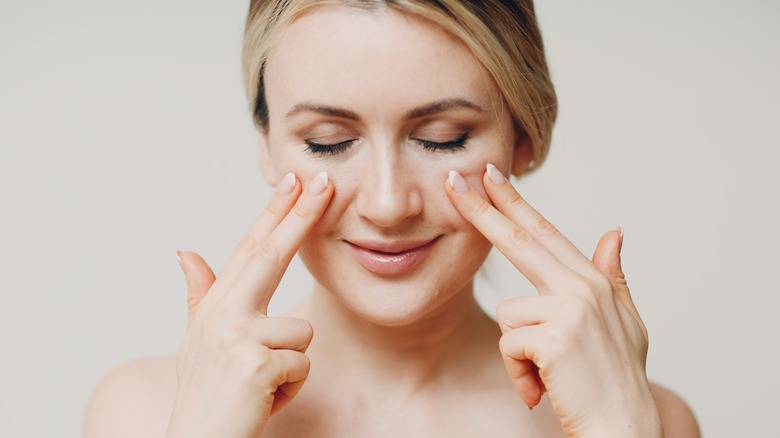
x=237, y=366
x=581, y=340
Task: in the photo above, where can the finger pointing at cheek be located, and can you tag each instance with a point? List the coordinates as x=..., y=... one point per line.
x=532, y=259
x=513, y=206
x=262, y=273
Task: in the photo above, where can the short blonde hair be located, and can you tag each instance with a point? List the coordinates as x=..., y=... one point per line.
x=502, y=34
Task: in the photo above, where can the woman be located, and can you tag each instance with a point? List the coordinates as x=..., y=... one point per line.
x=388, y=129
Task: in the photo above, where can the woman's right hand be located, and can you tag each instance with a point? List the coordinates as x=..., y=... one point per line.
x=237, y=366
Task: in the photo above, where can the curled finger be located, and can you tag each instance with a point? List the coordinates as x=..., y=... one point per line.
x=519, y=364
x=283, y=333
x=518, y=312
x=293, y=367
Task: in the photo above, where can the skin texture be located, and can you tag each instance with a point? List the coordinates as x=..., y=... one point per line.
x=403, y=355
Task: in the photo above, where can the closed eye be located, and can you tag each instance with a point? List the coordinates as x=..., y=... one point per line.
x=322, y=149
x=450, y=146
x=327, y=149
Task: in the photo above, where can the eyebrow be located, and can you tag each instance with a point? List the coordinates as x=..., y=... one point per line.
x=422, y=111
x=440, y=107
x=321, y=109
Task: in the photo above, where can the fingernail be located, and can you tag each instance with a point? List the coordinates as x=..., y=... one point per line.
x=621, y=234
x=319, y=183
x=178, y=257
x=457, y=182
x=287, y=184
x=495, y=175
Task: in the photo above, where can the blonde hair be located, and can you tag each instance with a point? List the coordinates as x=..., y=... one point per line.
x=502, y=34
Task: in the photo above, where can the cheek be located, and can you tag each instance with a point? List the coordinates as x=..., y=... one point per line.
x=305, y=167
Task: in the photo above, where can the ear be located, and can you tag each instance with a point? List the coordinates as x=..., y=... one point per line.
x=264, y=157
x=523, y=153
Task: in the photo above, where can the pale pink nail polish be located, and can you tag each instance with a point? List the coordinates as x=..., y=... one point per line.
x=457, y=182
x=287, y=184
x=319, y=183
x=495, y=175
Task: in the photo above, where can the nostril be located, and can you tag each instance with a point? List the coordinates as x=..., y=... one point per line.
x=386, y=198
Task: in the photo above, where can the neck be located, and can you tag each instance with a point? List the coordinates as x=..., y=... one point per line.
x=447, y=343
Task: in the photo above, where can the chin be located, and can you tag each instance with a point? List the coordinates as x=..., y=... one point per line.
x=392, y=304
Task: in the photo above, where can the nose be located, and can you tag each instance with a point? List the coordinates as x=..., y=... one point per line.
x=388, y=192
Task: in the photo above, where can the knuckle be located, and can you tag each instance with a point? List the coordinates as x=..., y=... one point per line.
x=248, y=243
x=480, y=207
x=520, y=237
x=559, y=342
x=502, y=312
x=543, y=227
x=505, y=310
x=597, y=290
x=275, y=209
x=514, y=199
x=306, y=330
x=577, y=310
x=302, y=211
x=506, y=344
x=229, y=335
x=268, y=252
x=580, y=286
x=256, y=361
x=263, y=358
x=304, y=363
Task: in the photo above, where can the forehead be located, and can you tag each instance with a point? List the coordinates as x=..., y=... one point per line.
x=381, y=60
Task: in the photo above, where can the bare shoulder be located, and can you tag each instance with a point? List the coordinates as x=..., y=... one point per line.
x=134, y=399
x=677, y=417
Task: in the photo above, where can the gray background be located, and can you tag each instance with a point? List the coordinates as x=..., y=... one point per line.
x=124, y=136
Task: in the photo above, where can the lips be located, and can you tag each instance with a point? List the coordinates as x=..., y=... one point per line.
x=390, y=257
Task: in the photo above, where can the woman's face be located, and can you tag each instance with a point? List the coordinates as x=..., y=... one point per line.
x=387, y=104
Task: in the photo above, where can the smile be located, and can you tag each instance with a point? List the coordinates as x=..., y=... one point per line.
x=390, y=258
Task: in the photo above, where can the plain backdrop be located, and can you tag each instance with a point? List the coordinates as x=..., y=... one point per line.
x=124, y=135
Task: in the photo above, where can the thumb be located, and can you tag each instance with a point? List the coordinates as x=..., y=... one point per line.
x=199, y=278
x=607, y=255
x=607, y=260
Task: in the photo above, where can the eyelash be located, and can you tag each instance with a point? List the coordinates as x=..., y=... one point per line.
x=337, y=148
x=447, y=146
x=327, y=149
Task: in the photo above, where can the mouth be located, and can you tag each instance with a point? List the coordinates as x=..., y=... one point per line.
x=390, y=257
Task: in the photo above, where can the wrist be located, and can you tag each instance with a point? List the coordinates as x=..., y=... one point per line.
x=633, y=416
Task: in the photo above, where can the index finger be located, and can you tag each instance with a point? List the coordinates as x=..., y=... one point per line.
x=532, y=259
x=518, y=210
x=287, y=192
x=257, y=281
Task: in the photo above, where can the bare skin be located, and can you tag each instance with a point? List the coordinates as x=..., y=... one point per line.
x=137, y=398
x=395, y=355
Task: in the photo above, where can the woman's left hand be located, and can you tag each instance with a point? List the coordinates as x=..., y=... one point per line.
x=581, y=340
